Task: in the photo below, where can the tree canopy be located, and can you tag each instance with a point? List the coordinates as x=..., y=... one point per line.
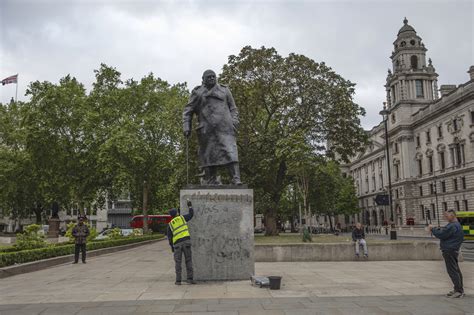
x=293, y=109
x=75, y=147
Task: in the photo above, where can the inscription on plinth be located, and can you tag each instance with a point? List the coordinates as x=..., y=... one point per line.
x=221, y=233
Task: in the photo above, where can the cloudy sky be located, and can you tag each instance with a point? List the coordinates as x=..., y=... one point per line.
x=177, y=40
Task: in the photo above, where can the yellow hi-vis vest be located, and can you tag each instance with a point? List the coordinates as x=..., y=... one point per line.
x=179, y=228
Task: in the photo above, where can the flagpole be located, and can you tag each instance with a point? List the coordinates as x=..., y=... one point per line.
x=16, y=92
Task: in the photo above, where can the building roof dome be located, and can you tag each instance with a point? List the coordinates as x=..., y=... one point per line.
x=406, y=29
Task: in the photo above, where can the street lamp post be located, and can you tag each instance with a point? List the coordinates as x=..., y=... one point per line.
x=385, y=113
x=436, y=197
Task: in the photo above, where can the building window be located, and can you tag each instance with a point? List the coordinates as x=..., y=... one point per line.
x=420, y=167
x=445, y=206
x=418, y=143
x=455, y=183
x=443, y=186
x=430, y=163
x=428, y=137
x=442, y=161
x=422, y=212
x=397, y=172
x=472, y=117
x=397, y=195
x=433, y=210
x=419, y=89
x=456, y=205
x=381, y=181
x=440, y=131
x=432, y=191
x=459, y=152
x=455, y=124
x=414, y=61
x=421, y=190
x=395, y=147
x=463, y=182
x=68, y=211
x=466, y=208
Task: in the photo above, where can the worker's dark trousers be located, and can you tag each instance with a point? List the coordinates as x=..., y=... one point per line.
x=452, y=266
x=181, y=248
x=80, y=248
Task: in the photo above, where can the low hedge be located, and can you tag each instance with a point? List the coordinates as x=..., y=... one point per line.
x=24, y=256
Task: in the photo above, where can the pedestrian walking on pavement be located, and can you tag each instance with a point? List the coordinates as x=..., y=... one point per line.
x=358, y=236
x=180, y=242
x=80, y=233
x=451, y=237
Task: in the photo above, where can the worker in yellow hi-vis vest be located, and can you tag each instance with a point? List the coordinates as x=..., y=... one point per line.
x=180, y=242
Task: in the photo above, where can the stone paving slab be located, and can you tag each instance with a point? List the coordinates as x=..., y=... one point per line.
x=141, y=281
x=334, y=305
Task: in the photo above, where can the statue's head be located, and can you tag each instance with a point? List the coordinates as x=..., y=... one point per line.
x=209, y=78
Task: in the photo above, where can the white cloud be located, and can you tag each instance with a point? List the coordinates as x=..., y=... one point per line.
x=177, y=40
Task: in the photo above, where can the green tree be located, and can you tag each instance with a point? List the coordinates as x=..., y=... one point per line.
x=61, y=142
x=144, y=144
x=20, y=182
x=287, y=103
x=333, y=194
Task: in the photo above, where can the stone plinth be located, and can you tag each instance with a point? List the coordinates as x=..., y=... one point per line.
x=221, y=232
x=53, y=230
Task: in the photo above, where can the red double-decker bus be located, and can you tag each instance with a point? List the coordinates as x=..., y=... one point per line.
x=156, y=222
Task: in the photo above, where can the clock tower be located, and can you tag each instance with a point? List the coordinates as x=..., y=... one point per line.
x=412, y=82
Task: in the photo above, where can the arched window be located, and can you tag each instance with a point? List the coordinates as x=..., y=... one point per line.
x=414, y=62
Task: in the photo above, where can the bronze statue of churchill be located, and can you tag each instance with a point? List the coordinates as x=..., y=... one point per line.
x=218, y=121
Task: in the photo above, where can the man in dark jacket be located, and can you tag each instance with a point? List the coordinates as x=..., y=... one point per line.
x=180, y=242
x=80, y=233
x=358, y=236
x=451, y=237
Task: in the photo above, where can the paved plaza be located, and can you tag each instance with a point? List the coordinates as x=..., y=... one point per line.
x=141, y=281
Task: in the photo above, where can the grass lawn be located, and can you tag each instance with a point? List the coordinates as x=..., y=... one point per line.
x=296, y=238
x=317, y=238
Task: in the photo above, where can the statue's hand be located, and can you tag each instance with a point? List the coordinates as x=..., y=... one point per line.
x=187, y=133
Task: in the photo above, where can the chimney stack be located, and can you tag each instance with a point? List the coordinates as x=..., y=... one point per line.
x=446, y=89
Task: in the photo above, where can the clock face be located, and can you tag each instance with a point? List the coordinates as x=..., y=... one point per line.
x=403, y=44
x=412, y=42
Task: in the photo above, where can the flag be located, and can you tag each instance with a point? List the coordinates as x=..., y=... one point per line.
x=10, y=79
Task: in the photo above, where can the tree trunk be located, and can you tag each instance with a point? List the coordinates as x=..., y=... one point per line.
x=330, y=222
x=82, y=213
x=270, y=223
x=145, y=207
x=38, y=211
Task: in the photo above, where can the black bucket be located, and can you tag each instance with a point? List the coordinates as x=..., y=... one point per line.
x=275, y=282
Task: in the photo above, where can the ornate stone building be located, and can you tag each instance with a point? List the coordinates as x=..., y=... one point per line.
x=431, y=143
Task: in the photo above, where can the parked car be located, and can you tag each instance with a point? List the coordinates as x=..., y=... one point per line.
x=106, y=233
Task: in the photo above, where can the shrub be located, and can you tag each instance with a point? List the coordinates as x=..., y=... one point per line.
x=23, y=256
x=137, y=232
x=30, y=238
x=115, y=233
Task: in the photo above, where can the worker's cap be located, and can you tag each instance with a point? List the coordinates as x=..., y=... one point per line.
x=173, y=212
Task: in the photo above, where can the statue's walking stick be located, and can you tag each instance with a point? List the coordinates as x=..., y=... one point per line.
x=187, y=160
